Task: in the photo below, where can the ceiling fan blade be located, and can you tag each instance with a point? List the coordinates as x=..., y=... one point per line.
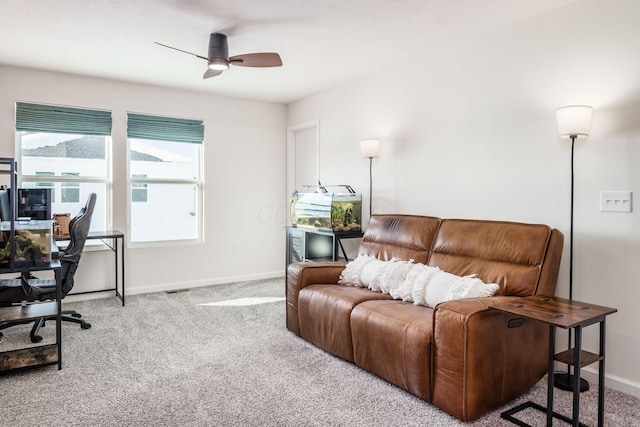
x=265, y=59
x=184, y=51
x=211, y=73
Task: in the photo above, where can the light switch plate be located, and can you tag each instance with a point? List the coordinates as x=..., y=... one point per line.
x=615, y=201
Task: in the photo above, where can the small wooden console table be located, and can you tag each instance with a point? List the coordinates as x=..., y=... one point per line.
x=563, y=313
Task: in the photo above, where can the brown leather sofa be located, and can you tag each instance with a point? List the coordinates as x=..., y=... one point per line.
x=461, y=356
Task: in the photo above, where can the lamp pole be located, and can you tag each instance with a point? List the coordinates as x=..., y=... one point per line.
x=370, y=148
x=565, y=381
x=370, y=185
x=573, y=141
x=574, y=122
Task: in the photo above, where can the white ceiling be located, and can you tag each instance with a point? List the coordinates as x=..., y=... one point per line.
x=323, y=43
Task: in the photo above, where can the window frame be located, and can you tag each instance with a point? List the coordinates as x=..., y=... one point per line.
x=107, y=180
x=198, y=182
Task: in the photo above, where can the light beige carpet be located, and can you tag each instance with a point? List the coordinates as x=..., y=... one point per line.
x=197, y=358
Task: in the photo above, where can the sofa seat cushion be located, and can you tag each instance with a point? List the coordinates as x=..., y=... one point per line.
x=392, y=339
x=325, y=311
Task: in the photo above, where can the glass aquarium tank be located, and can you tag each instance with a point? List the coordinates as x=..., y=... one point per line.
x=331, y=211
x=33, y=243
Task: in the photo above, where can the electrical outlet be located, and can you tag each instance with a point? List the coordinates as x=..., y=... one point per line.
x=615, y=201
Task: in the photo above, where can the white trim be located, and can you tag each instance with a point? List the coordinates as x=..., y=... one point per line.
x=291, y=156
x=613, y=382
x=164, y=287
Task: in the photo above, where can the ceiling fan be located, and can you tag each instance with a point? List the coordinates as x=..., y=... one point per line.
x=218, y=58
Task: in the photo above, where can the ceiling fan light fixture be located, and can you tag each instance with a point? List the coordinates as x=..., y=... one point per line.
x=218, y=64
x=218, y=59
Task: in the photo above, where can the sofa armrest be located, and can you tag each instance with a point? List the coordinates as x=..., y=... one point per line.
x=302, y=274
x=480, y=359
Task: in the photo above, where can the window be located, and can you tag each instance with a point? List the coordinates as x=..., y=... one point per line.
x=67, y=150
x=165, y=184
x=70, y=190
x=138, y=190
x=50, y=185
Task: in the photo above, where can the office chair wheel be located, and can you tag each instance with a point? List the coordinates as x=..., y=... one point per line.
x=36, y=339
x=85, y=325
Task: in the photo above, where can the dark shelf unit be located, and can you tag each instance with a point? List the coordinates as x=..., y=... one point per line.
x=42, y=355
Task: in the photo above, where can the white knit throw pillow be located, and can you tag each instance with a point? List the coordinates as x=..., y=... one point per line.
x=417, y=283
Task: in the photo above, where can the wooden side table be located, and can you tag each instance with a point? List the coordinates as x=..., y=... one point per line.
x=563, y=313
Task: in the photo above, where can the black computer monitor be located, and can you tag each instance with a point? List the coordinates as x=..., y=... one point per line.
x=34, y=203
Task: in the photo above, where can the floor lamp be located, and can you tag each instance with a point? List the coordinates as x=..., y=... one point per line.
x=574, y=122
x=370, y=148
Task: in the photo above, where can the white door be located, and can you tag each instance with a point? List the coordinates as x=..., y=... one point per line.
x=302, y=157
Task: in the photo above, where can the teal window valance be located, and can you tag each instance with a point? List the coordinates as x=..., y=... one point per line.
x=57, y=119
x=164, y=128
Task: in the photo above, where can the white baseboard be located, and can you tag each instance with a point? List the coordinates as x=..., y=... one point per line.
x=176, y=286
x=200, y=283
x=612, y=381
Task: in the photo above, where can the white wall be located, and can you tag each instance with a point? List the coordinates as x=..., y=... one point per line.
x=470, y=132
x=244, y=173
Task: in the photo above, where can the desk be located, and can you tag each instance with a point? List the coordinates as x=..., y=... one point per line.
x=563, y=313
x=48, y=354
x=110, y=238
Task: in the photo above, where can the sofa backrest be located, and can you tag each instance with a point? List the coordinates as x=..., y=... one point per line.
x=399, y=236
x=524, y=259
x=513, y=255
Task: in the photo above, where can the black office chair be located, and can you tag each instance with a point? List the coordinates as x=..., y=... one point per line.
x=30, y=289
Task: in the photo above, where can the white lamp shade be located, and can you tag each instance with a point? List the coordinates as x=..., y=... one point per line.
x=370, y=147
x=574, y=120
